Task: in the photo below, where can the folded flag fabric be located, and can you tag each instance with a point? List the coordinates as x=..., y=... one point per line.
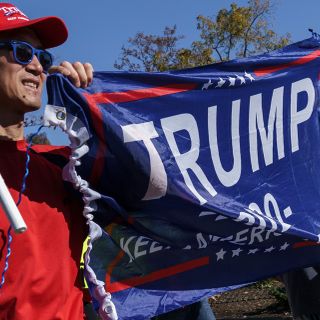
x=195, y=181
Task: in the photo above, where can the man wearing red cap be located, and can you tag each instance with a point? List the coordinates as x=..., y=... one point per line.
x=41, y=281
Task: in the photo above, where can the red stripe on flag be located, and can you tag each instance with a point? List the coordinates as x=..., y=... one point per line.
x=307, y=58
x=97, y=121
x=156, y=275
x=112, y=265
x=134, y=95
x=305, y=244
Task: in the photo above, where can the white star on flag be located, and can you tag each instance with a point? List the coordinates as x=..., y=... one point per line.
x=284, y=246
x=220, y=254
x=220, y=83
x=232, y=81
x=236, y=252
x=207, y=85
x=249, y=76
x=253, y=251
x=242, y=79
x=269, y=249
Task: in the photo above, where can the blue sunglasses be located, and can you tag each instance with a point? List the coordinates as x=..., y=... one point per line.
x=23, y=53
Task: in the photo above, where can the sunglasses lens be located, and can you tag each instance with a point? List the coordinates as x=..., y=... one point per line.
x=45, y=60
x=23, y=53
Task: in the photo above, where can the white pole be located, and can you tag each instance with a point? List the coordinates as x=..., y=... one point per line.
x=11, y=209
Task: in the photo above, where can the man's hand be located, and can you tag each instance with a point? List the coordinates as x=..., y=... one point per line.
x=80, y=74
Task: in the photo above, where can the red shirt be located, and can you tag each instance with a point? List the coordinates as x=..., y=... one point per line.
x=41, y=282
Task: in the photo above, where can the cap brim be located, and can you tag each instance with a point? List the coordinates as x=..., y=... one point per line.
x=51, y=31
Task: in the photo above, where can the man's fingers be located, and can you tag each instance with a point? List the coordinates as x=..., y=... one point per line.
x=59, y=69
x=73, y=75
x=89, y=71
x=80, y=74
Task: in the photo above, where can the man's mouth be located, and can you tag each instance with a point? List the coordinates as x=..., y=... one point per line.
x=30, y=84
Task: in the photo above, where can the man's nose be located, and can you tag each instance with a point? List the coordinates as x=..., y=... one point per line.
x=34, y=66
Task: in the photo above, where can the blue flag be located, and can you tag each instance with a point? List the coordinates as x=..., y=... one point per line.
x=195, y=181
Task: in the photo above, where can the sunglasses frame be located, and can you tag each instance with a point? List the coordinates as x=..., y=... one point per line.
x=13, y=44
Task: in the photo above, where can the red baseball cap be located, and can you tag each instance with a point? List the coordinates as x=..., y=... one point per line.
x=51, y=31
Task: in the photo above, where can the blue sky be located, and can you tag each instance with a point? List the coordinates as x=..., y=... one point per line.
x=99, y=28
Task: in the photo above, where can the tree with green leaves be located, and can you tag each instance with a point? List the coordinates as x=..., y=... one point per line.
x=232, y=33
x=40, y=138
